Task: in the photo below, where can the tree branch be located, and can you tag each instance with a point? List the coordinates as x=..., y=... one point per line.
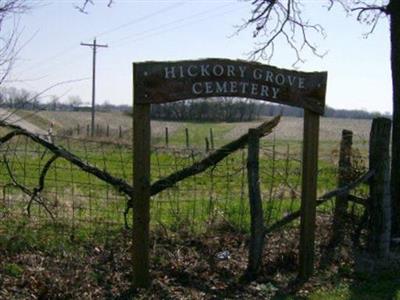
x=212, y=159
x=324, y=198
x=35, y=194
x=82, y=8
x=120, y=184
x=283, y=20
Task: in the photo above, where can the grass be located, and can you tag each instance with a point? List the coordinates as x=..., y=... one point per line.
x=219, y=192
x=88, y=209
x=384, y=285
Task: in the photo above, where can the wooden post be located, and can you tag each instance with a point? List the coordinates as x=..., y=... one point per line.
x=187, y=137
x=207, y=144
x=141, y=196
x=108, y=130
x=308, y=194
x=256, y=212
x=379, y=225
x=166, y=137
x=120, y=131
x=212, y=139
x=341, y=203
x=78, y=129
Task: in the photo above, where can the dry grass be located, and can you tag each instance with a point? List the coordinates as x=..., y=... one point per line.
x=289, y=129
x=68, y=120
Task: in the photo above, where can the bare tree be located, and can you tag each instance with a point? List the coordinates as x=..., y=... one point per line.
x=9, y=9
x=282, y=19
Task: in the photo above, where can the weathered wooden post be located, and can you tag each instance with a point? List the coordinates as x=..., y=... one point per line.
x=120, y=131
x=257, y=229
x=341, y=203
x=187, y=137
x=166, y=137
x=378, y=206
x=108, y=130
x=141, y=183
x=212, y=138
x=308, y=194
x=78, y=129
x=207, y=144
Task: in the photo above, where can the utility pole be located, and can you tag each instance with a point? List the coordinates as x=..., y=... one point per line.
x=94, y=47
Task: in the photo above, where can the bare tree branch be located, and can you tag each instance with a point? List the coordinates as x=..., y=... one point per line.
x=321, y=200
x=35, y=195
x=82, y=8
x=121, y=185
x=282, y=20
x=8, y=40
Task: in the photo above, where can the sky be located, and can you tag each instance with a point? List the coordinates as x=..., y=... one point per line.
x=52, y=59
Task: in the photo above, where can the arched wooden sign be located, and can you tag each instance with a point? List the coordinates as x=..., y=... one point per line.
x=162, y=82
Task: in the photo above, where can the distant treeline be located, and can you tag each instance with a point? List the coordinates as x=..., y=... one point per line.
x=212, y=110
x=232, y=110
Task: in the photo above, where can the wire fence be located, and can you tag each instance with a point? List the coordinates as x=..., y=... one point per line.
x=77, y=200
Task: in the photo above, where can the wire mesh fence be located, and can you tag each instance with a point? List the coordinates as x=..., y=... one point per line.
x=77, y=200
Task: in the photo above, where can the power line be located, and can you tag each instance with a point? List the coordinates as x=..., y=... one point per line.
x=132, y=22
x=166, y=27
x=154, y=31
x=94, y=46
x=135, y=21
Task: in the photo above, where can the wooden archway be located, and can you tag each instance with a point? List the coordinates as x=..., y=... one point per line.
x=162, y=82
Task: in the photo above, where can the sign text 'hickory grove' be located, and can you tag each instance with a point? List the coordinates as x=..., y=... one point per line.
x=157, y=82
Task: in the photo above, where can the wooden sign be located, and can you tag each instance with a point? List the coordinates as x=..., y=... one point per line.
x=161, y=82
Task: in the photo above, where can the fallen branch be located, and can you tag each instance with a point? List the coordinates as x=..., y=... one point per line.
x=160, y=185
x=120, y=184
x=35, y=194
x=324, y=198
x=212, y=159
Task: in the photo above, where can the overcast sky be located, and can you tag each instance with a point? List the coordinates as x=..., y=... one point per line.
x=358, y=68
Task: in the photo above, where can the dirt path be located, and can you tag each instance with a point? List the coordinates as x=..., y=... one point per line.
x=13, y=118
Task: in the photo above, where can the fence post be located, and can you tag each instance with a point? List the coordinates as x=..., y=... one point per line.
x=379, y=225
x=141, y=195
x=308, y=194
x=166, y=137
x=120, y=131
x=207, y=144
x=212, y=139
x=187, y=137
x=256, y=245
x=341, y=203
x=108, y=130
x=78, y=129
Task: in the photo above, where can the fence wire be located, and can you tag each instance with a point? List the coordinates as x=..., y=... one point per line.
x=219, y=196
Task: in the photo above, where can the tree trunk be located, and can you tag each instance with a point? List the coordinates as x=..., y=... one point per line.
x=394, y=12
